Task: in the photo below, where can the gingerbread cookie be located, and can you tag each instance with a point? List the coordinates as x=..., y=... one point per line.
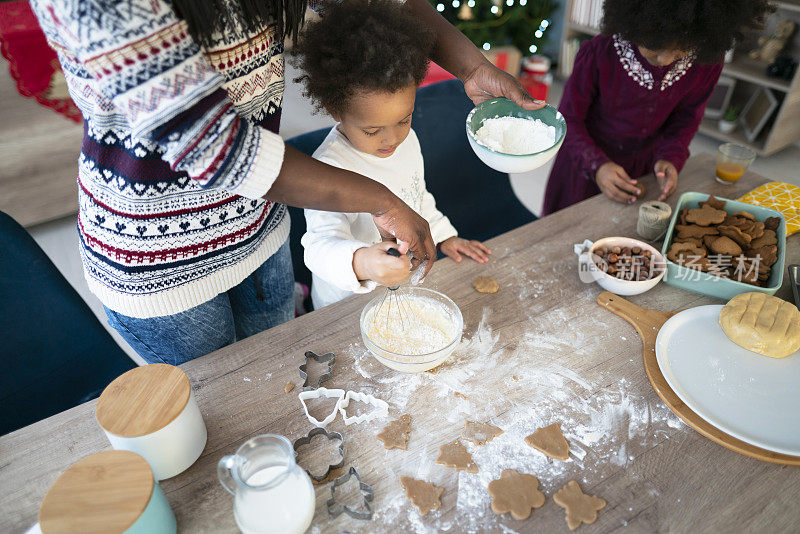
x=396, y=434
x=692, y=230
x=725, y=246
x=735, y=233
x=682, y=216
x=684, y=250
x=480, y=433
x=455, y=455
x=768, y=254
x=767, y=238
x=516, y=493
x=772, y=223
x=579, y=507
x=744, y=215
x=695, y=241
x=708, y=240
x=424, y=495
x=551, y=441
x=705, y=216
x=713, y=202
x=484, y=284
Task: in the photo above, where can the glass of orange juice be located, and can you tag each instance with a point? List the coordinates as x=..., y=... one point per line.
x=732, y=162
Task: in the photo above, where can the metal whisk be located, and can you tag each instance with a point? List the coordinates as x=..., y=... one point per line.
x=393, y=301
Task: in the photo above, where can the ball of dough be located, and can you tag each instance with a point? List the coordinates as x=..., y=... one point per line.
x=762, y=323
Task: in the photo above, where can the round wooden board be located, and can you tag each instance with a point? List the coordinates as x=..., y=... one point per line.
x=103, y=493
x=647, y=323
x=143, y=400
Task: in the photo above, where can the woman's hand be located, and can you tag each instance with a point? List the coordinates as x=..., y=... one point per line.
x=403, y=224
x=667, y=176
x=615, y=183
x=374, y=263
x=487, y=81
x=454, y=247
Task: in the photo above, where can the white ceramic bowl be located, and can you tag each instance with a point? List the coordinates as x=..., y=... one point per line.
x=614, y=284
x=513, y=163
x=415, y=363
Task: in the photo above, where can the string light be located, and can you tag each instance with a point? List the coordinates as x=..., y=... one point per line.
x=509, y=2
x=471, y=3
x=486, y=46
x=533, y=49
x=523, y=2
x=538, y=34
x=440, y=8
x=495, y=9
x=545, y=23
x=456, y=3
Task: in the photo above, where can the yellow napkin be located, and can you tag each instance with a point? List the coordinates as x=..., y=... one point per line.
x=779, y=196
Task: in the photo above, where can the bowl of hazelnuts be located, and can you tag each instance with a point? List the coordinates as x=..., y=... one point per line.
x=623, y=265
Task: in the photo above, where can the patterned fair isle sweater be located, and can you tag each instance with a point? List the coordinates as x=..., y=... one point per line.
x=180, y=144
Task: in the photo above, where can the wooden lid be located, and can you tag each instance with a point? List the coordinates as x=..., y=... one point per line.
x=105, y=492
x=143, y=400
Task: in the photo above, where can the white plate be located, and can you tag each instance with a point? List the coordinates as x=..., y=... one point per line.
x=747, y=395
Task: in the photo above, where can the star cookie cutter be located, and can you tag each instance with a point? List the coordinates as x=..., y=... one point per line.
x=335, y=509
x=327, y=358
x=381, y=408
x=332, y=436
x=321, y=393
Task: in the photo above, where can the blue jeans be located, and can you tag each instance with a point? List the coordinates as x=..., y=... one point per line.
x=262, y=300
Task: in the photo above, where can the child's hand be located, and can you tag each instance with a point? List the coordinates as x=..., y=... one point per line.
x=667, y=176
x=373, y=263
x=615, y=183
x=455, y=246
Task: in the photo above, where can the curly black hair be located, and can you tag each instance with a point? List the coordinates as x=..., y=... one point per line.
x=361, y=45
x=706, y=27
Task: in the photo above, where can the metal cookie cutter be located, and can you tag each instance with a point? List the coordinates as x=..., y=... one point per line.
x=319, y=394
x=328, y=358
x=381, y=408
x=335, y=509
x=306, y=440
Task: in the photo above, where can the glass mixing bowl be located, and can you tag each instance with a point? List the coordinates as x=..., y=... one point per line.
x=415, y=363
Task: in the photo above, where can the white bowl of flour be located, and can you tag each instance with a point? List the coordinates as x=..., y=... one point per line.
x=511, y=139
x=417, y=339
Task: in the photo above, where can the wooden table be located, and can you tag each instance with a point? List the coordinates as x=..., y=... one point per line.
x=544, y=352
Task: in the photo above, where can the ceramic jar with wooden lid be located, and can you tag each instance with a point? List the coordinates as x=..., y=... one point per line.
x=151, y=410
x=111, y=491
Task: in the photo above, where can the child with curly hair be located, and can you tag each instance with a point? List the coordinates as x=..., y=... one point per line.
x=362, y=63
x=637, y=94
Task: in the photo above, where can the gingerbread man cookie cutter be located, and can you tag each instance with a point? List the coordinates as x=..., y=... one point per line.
x=327, y=358
x=332, y=436
x=322, y=393
x=381, y=408
x=335, y=509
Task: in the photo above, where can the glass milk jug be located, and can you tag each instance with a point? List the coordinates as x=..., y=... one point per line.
x=272, y=493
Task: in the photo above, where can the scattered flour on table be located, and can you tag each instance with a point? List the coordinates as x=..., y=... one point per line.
x=518, y=387
x=513, y=135
x=410, y=325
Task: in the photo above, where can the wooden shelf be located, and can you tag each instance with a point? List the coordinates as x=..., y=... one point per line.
x=580, y=28
x=744, y=68
x=709, y=127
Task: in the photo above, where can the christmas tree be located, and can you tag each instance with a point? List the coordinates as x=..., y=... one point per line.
x=491, y=23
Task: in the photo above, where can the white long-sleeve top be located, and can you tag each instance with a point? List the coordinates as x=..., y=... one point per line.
x=332, y=238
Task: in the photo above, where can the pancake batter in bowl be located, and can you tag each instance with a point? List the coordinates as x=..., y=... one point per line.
x=421, y=326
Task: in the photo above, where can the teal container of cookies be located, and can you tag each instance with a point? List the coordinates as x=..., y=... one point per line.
x=715, y=286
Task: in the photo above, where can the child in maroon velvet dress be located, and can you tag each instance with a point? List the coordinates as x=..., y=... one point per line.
x=637, y=94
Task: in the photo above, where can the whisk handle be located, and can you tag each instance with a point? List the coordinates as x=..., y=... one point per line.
x=394, y=252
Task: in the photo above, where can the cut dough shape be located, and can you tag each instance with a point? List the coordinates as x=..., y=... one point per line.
x=455, y=455
x=396, y=434
x=762, y=323
x=484, y=284
x=551, y=441
x=424, y=495
x=480, y=433
x=580, y=508
x=288, y=387
x=515, y=492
